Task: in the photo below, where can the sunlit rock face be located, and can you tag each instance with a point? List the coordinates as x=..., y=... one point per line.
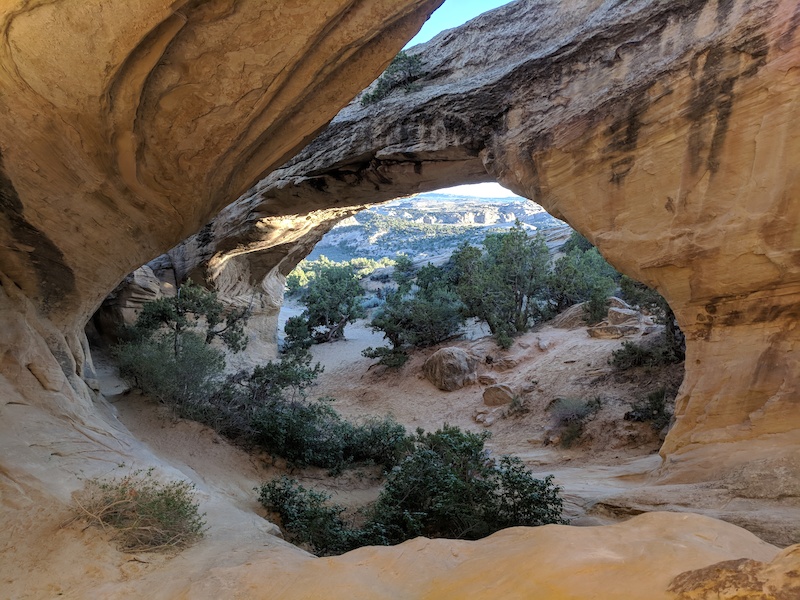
x=667, y=132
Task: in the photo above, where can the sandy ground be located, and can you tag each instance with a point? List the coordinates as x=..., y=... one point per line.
x=608, y=475
x=612, y=456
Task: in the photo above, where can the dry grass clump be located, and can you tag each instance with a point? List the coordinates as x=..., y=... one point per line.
x=147, y=515
x=569, y=415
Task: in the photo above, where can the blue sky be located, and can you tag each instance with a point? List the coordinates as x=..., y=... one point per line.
x=452, y=14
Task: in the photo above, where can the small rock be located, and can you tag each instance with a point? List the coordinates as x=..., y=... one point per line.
x=505, y=364
x=486, y=380
x=498, y=394
x=543, y=345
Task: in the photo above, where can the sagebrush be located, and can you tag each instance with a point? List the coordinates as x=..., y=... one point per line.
x=145, y=514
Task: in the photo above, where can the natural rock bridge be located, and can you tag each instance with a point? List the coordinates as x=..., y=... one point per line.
x=668, y=132
x=668, y=139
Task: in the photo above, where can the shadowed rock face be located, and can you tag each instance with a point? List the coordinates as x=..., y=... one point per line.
x=123, y=138
x=667, y=132
x=126, y=128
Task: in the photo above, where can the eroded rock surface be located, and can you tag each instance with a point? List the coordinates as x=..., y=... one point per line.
x=665, y=131
x=121, y=138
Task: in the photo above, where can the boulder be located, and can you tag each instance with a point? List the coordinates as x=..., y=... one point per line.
x=571, y=318
x=614, y=302
x=498, y=394
x=451, y=369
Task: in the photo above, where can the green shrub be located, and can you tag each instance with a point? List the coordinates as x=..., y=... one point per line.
x=192, y=309
x=298, y=334
x=576, y=241
x=416, y=316
x=332, y=300
x=169, y=354
x=653, y=409
x=506, y=285
x=445, y=486
x=569, y=415
x=582, y=276
x=147, y=515
x=596, y=307
x=303, y=432
x=671, y=347
x=402, y=72
x=306, y=516
x=638, y=294
x=660, y=352
x=181, y=370
x=311, y=432
x=632, y=355
x=382, y=441
x=388, y=356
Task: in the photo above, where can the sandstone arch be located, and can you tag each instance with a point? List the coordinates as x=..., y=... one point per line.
x=124, y=129
x=115, y=146
x=668, y=138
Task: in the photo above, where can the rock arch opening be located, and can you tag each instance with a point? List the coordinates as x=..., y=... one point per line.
x=666, y=158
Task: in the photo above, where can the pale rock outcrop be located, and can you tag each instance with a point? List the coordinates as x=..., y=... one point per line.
x=666, y=132
x=742, y=579
x=451, y=369
x=605, y=331
x=122, y=306
x=635, y=560
x=617, y=316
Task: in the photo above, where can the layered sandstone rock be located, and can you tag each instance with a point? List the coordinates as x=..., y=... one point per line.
x=123, y=128
x=636, y=560
x=666, y=132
